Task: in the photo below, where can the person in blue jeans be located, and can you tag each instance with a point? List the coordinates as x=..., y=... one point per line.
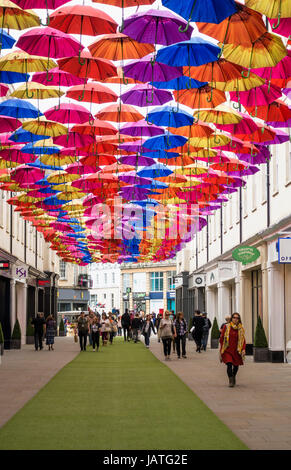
x=147, y=328
x=180, y=331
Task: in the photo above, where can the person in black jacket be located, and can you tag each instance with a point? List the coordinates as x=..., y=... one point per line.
x=136, y=326
x=180, y=331
x=38, y=323
x=206, y=328
x=198, y=323
x=147, y=328
x=125, y=323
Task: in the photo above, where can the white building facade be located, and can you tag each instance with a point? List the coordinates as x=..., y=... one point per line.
x=105, y=291
x=256, y=216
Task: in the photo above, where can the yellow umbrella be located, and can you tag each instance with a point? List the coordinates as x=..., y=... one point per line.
x=56, y=160
x=271, y=8
x=70, y=193
x=61, y=177
x=240, y=84
x=212, y=141
x=22, y=62
x=39, y=91
x=7, y=164
x=43, y=127
x=220, y=115
x=75, y=206
x=266, y=51
x=187, y=184
x=191, y=170
x=14, y=17
x=26, y=198
x=203, y=153
x=6, y=178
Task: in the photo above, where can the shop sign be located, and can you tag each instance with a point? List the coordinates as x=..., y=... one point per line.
x=4, y=265
x=284, y=250
x=246, y=254
x=171, y=295
x=21, y=272
x=178, y=281
x=139, y=295
x=125, y=297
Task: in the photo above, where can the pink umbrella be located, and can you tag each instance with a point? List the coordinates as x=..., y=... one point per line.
x=69, y=113
x=68, y=151
x=57, y=77
x=3, y=90
x=258, y=96
x=284, y=27
x=74, y=139
x=245, y=126
x=9, y=124
x=79, y=169
x=62, y=227
x=26, y=175
x=281, y=70
x=49, y=42
x=15, y=155
x=40, y=4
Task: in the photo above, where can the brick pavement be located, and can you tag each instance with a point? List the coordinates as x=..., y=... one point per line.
x=257, y=410
x=24, y=372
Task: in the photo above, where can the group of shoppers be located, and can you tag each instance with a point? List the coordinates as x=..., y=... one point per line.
x=44, y=328
x=96, y=326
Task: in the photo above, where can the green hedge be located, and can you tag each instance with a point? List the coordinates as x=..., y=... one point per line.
x=16, y=334
x=215, y=333
x=62, y=326
x=260, y=340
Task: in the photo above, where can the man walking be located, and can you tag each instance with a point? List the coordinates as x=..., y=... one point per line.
x=206, y=328
x=38, y=323
x=136, y=325
x=83, y=328
x=125, y=322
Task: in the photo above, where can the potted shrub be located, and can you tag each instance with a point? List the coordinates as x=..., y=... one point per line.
x=62, y=328
x=16, y=336
x=29, y=333
x=215, y=335
x=261, y=350
x=1, y=341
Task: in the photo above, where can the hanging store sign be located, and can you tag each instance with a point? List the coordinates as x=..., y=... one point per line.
x=4, y=265
x=284, y=250
x=246, y=254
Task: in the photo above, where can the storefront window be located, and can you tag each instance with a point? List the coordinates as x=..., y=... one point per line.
x=257, y=299
x=139, y=282
x=171, y=280
x=157, y=282
x=125, y=281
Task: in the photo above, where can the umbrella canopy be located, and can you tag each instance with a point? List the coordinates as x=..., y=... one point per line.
x=212, y=11
x=57, y=77
x=203, y=97
x=271, y=8
x=92, y=93
x=147, y=69
x=18, y=109
x=49, y=42
x=146, y=95
x=258, y=96
x=155, y=171
x=6, y=41
x=45, y=127
x=180, y=83
x=9, y=124
x=68, y=113
x=19, y=61
x=87, y=66
x=118, y=46
x=163, y=142
x=13, y=17
x=141, y=129
x=13, y=77
x=194, y=52
x=119, y=113
x=37, y=90
x=169, y=116
x=156, y=27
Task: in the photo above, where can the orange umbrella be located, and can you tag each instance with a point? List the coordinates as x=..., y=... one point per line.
x=119, y=113
x=197, y=130
x=181, y=160
x=276, y=111
x=119, y=78
x=231, y=165
x=92, y=93
x=116, y=168
x=119, y=47
x=220, y=71
x=87, y=66
x=243, y=27
x=204, y=97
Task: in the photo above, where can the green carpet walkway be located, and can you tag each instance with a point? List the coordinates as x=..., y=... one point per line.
x=121, y=398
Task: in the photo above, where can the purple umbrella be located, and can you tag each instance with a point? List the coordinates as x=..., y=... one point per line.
x=136, y=146
x=134, y=193
x=148, y=70
x=251, y=170
x=146, y=95
x=156, y=27
x=279, y=124
x=279, y=138
x=131, y=177
x=253, y=159
x=287, y=92
x=142, y=129
x=137, y=160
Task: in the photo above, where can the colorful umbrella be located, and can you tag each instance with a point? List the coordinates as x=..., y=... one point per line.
x=203, y=97
x=9, y=124
x=57, y=77
x=141, y=129
x=169, y=116
x=87, y=66
x=13, y=17
x=69, y=113
x=118, y=46
x=13, y=77
x=45, y=127
x=37, y=90
x=146, y=95
x=194, y=52
x=271, y=8
x=18, y=109
x=119, y=113
x=92, y=93
x=147, y=69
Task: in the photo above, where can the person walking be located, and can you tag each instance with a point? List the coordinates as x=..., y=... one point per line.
x=227, y=320
x=39, y=324
x=206, y=328
x=95, y=331
x=136, y=326
x=119, y=326
x=180, y=331
x=83, y=328
x=113, y=327
x=157, y=325
x=125, y=322
x=50, y=332
x=90, y=318
x=198, y=323
x=105, y=329
x=233, y=347
x=166, y=333
x=147, y=328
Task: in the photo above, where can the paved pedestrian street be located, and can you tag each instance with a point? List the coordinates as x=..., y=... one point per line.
x=127, y=397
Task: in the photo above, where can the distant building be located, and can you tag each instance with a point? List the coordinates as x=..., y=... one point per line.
x=74, y=284
x=105, y=288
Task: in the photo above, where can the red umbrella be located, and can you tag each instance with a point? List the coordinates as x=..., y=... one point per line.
x=92, y=93
x=98, y=160
x=87, y=66
x=96, y=128
x=276, y=111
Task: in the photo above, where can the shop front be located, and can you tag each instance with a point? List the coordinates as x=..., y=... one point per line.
x=171, y=301
x=139, y=302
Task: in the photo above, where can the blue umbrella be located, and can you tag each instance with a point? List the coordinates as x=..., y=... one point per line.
x=22, y=136
x=34, y=149
x=17, y=108
x=163, y=142
x=205, y=11
x=48, y=190
x=39, y=164
x=13, y=77
x=53, y=201
x=155, y=185
x=168, y=116
x=194, y=52
x=155, y=171
x=6, y=41
x=180, y=83
x=146, y=202
x=161, y=154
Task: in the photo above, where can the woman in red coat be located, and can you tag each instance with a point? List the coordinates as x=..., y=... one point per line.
x=233, y=346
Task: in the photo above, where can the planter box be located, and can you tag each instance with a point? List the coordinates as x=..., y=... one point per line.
x=1, y=349
x=214, y=343
x=261, y=355
x=16, y=344
x=29, y=339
